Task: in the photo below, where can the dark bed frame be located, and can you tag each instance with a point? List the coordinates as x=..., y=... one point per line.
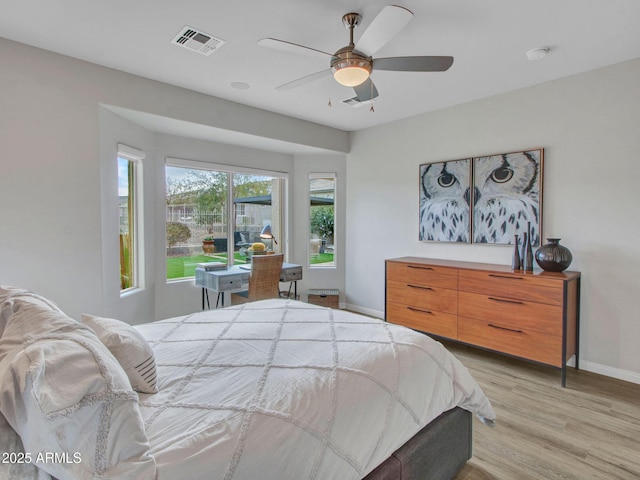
x=437, y=452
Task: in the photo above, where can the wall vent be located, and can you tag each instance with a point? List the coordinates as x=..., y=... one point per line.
x=197, y=41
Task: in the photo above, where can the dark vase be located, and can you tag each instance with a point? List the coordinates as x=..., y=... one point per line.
x=527, y=252
x=515, y=262
x=553, y=257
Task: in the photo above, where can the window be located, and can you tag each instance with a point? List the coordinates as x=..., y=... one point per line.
x=130, y=207
x=322, y=197
x=216, y=213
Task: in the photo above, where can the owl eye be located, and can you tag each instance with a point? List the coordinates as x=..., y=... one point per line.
x=446, y=180
x=501, y=175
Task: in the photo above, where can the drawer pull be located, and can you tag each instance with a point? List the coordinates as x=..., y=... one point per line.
x=505, y=277
x=419, y=267
x=419, y=287
x=419, y=310
x=506, y=301
x=505, y=328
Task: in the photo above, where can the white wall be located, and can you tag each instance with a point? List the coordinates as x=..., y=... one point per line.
x=138, y=306
x=589, y=126
x=53, y=142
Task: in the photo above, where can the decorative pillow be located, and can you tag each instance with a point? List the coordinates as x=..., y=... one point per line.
x=67, y=397
x=130, y=349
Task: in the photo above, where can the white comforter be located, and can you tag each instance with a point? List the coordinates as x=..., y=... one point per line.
x=283, y=390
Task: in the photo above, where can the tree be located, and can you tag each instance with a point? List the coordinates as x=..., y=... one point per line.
x=208, y=190
x=322, y=221
x=250, y=186
x=177, y=232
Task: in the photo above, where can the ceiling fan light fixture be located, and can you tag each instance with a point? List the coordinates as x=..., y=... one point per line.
x=351, y=76
x=350, y=69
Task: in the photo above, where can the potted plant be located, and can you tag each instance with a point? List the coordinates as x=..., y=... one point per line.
x=208, y=245
x=257, y=248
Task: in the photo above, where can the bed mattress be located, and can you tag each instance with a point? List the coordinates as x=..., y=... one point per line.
x=280, y=389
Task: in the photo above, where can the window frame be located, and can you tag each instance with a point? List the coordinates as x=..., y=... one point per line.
x=328, y=175
x=230, y=170
x=135, y=158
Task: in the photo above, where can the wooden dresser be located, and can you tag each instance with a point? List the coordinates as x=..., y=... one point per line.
x=532, y=315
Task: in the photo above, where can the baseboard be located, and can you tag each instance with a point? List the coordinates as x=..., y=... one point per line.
x=626, y=375
x=366, y=311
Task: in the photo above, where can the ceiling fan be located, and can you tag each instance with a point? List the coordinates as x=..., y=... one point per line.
x=352, y=65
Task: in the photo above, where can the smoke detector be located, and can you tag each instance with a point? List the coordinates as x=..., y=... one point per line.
x=197, y=41
x=537, y=53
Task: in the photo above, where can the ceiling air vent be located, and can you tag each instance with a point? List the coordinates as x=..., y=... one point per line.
x=197, y=41
x=354, y=102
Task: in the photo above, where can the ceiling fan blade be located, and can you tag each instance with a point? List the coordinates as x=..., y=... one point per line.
x=291, y=47
x=387, y=24
x=366, y=91
x=413, y=64
x=304, y=80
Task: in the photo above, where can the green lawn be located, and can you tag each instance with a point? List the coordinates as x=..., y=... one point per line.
x=322, y=258
x=180, y=267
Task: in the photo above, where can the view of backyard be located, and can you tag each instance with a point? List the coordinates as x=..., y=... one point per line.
x=198, y=217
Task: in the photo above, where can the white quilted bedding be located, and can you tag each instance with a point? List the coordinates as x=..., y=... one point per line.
x=280, y=390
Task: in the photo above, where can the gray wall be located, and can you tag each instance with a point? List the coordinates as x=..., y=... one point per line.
x=589, y=126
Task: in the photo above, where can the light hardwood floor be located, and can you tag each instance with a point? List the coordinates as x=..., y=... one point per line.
x=589, y=430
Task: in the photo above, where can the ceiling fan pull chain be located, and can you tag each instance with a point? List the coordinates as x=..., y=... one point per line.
x=371, y=109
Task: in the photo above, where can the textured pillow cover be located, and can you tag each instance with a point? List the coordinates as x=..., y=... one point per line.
x=12, y=464
x=130, y=349
x=67, y=397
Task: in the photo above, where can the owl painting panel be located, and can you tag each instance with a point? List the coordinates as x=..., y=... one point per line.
x=445, y=214
x=506, y=197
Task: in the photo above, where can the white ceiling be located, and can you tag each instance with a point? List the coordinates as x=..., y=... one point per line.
x=488, y=39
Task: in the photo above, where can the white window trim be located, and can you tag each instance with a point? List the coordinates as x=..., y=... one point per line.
x=137, y=157
x=231, y=169
x=180, y=162
x=311, y=176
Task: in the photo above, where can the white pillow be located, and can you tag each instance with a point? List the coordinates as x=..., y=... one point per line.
x=130, y=349
x=66, y=396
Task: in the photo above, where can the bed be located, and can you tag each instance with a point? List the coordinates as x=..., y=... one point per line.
x=276, y=389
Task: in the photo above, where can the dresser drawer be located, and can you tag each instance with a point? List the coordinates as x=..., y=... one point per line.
x=420, y=296
x=524, y=343
x=429, y=321
x=428, y=275
x=518, y=286
x=514, y=313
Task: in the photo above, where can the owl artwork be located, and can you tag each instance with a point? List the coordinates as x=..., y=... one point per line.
x=506, y=197
x=444, y=201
